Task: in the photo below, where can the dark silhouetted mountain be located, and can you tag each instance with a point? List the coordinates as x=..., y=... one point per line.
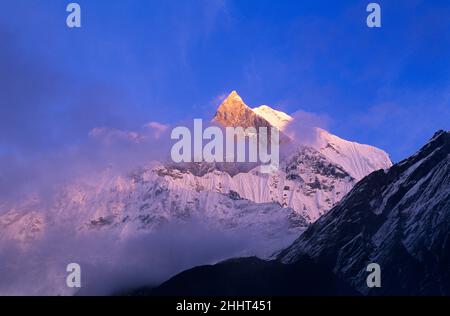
x=399, y=219
x=253, y=276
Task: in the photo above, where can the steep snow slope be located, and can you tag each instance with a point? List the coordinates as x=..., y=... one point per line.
x=357, y=159
x=276, y=118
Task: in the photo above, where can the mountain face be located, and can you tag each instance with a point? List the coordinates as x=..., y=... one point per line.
x=397, y=218
x=359, y=160
x=306, y=182
x=277, y=207
x=145, y=201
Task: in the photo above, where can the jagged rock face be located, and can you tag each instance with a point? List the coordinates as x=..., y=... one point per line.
x=307, y=182
x=233, y=112
x=149, y=198
x=398, y=219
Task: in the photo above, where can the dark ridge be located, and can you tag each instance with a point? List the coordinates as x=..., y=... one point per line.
x=250, y=277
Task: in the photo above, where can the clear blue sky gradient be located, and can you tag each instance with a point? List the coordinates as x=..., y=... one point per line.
x=170, y=60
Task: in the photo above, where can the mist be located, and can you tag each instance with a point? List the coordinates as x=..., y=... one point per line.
x=110, y=265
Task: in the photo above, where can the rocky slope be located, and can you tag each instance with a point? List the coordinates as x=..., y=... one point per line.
x=398, y=219
x=233, y=112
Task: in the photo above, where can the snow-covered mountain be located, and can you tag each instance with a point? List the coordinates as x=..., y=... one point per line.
x=307, y=182
x=147, y=199
x=311, y=180
x=314, y=176
x=277, y=206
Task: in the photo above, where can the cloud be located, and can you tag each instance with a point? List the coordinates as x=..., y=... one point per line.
x=303, y=128
x=149, y=132
x=157, y=128
x=104, y=148
x=112, y=264
x=110, y=135
x=309, y=119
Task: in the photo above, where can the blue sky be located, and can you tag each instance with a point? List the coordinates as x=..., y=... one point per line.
x=169, y=60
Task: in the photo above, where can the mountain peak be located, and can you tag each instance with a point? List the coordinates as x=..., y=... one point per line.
x=435, y=150
x=439, y=134
x=234, y=112
x=232, y=102
x=439, y=139
x=234, y=96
